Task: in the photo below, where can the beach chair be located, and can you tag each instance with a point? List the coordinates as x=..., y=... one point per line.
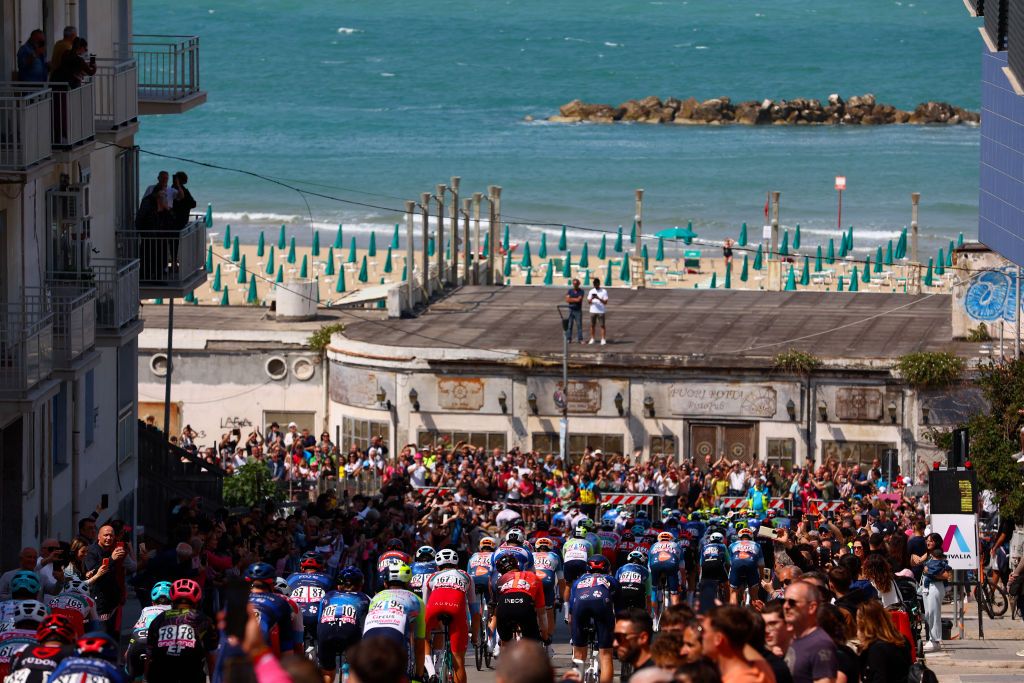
x=691, y=260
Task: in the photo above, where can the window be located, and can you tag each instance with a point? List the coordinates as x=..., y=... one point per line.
x=664, y=444
x=853, y=452
x=359, y=432
x=486, y=440
x=547, y=442
x=127, y=434
x=781, y=452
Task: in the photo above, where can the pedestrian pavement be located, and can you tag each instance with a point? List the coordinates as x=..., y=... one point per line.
x=974, y=660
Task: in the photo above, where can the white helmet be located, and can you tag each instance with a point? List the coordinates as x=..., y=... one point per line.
x=716, y=537
x=515, y=536
x=447, y=558
x=29, y=610
x=281, y=586
x=77, y=586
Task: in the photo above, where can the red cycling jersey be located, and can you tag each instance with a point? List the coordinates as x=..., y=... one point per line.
x=522, y=582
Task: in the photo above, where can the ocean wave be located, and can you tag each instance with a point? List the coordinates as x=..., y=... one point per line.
x=569, y=39
x=345, y=30
x=610, y=44
x=867, y=234
x=387, y=74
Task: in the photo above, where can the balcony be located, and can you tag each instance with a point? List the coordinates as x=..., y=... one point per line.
x=117, y=94
x=171, y=262
x=74, y=115
x=26, y=346
x=25, y=129
x=117, y=293
x=168, y=73
x=73, y=303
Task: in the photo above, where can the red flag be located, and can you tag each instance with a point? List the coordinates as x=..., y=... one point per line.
x=812, y=510
x=766, y=210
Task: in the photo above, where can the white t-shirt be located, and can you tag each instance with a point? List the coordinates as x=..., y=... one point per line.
x=597, y=298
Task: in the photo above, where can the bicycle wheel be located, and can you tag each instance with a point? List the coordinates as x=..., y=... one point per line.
x=481, y=645
x=444, y=669
x=997, y=598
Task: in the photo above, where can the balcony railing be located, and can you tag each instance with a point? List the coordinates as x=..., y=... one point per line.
x=168, y=67
x=25, y=130
x=74, y=319
x=26, y=344
x=74, y=114
x=117, y=93
x=171, y=262
x=117, y=292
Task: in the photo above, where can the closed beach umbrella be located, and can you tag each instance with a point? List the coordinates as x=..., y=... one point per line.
x=940, y=264
x=529, y=278
x=839, y=284
x=854, y=279
x=339, y=286
x=660, y=254
x=351, y=251
x=329, y=268
x=805, y=275
x=866, y=275
x=291, y=251
x=251, y=298
x=784, y=249
x=728, y=277
x=796, y=238
x=394, y=238
x=261, y=245
x=224, y=299
x=506, y=269
x=338, y=243
x=270, y=261
x=542, y=253
x=608, y=275
x=949, y=256
x=742, y=241
x=561, y=241
x=878, y=261
x=714, y=281
x=209, y=258
x=227, y=236
x=487, y=244
x=618, y=241
x=234, y=249
x=888, y=254
x=901, y=245
x=643, y=252
x=830, y=256
x=790, y=281
x=208, y=221
x=371, y=251
x=279, y=278
x=527, y=261
x=928, y=274
x=849, y=240
x=363, y=274
x=757, y=258
x=387, y=262
x=585, y=256
x=842, y=246
x=624, y=270
x=960, y=240
x=567, y=264
x=817, y=261
x=304, y=268
x=549, y=274
x=632, y=234
x=216, y=280
x=242, y=272
x=281, y=241
x=504, y=239
x=405, y=271
x=602, y=251
x=190, y=298
x=745, y=271
x=431, y=246
x=315, y=250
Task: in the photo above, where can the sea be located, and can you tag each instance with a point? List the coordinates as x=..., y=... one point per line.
x=346, y=108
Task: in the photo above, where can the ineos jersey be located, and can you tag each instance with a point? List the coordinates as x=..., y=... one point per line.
x=178, y=643
x=35, y=663
x=87, y=670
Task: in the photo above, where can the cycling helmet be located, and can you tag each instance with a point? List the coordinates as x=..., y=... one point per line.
x=186, y=589
x=636, y=557
x=666, y=536
x=311, y=560
x=544, y=543
x=515, y=536
x=507, y=563
x=27, y=581
x=29, y=610
x=745, y=532
x=658, y=525
x=259, y=571
x=598, y=564
x=541, y=525
x=638, y=530
x=351, y=576
x=447, y=558
x=281, y=586
x=641, y=514
x=627, y=536
x=716, y=537
x=665, y=512
x=607, y=526
x=77, y=586
x=395, y=544
x=671, y=522
x=651, y=533
x=587, y=523
x=56, y=627
x=161, y=590
x=579, y=532
x=399, y=572
x=98, y=645
x=487, y=543
x=425, y=554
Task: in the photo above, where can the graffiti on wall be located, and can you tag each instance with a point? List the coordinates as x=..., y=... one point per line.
x=991, y=296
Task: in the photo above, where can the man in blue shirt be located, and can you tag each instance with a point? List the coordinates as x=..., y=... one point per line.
x=32, y=66
x=574, y=297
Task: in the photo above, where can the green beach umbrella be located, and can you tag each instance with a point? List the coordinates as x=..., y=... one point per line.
x=234, y=249
x=281, y=242
x=291, y=251
x=339, y=286
x=487, y=244
x=529, y=278
x=849, y=240
x=805, y=275
x=618, y=241
x=888, y=254
x=549, y=274
x=371, y=251
x=878, y=260
x=854, y=279
x=315, y=250
x=381, y=303
x=405, y=271
x=504, y=240
x=960, y=240
x=387, y=262
x=224, y=299
x=602, y=251
x=676, y=233
x=527, y=260
x=643, y=253
x=351, y=251
x=796, y=238
x=757, y=258
x=817, y=261
x=790, y=281
x=209, y=259
x=338, y=243
x=728, y=277
x=506, y=269
x=928, y=274
x=659, y=255
x=839, y=284
x=940, y=264
x=784, y=249
x=270, y=261
x=608, y=275
x=394, y=238
x=208, y=221
x=830, y=256
x=190, y=298
x=304, y=268
x=714, y=281
x=329, y=267
x=901, y=245
x=949, y=256
x=261, y=245
x=448, y=250
x=227, y=236
x=585, y=256
x=542, y=253
x=216, y=280
x=745, y=271
x=742, y=241
x=632, y=234
x=431, y=247
x=866, y=275
x=567, y=264
x=250, y=298
x=842, y=247
x=561, y=241
x=317, y=278
x=624, y=270
x=363, y=274
x=279, y=278
x=242, y=272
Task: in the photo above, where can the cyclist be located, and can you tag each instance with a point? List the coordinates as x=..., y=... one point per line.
x=714, y=571
x=95, y=661
x=450, y=591
x=24, y=586
x=634, y=582
x=55, y=638
x=592, y=536
x=274, y=610
x=591, y=606
x=75, y=602
x=547, y=565
x=687, y=546
x=575, y=553
x=307, y=589
x=747, y=562
x=479, y=566
x=515, y=544
x=397, y=613
x=20, y=632
x=666, y=563
x=135, y=657
x=695, y=525
x=424, y=565
x=394, y=553
x=541, y=529
x=627, y=544
x=609, y=541
x=181, y=639
x=342, y=615
x=518, y=599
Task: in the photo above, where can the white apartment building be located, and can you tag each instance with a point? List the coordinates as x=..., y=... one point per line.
x=73, y=268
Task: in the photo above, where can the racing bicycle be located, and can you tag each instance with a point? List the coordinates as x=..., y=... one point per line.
x=482, y=649
x=590, y=667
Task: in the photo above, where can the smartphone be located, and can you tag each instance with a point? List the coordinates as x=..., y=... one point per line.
x=766, y=573
x=106, y=562
x=237, y=598
x=105, y=501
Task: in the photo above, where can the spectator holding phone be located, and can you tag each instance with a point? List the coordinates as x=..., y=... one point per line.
x=108, y=554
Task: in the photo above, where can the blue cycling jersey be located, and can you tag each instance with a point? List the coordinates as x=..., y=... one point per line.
x=522, y=554
x=546, y=566
x=274, y=610
x=307, y=590
x=78, y=669
x=593, y=587
x=633, y=576
x=346, y=608
x=420, y=572
x=746, y=551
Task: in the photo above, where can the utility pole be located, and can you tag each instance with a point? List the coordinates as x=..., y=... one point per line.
x=455, y=229
x=490, y=234
x=641, y=282
x=442, y=277
x=477, y=248
x=465, y=238
x=410, y=219
x=915, y=265
x=495, y=229
x=425, y=269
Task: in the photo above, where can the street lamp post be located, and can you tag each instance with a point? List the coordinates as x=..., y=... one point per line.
x=563, y=427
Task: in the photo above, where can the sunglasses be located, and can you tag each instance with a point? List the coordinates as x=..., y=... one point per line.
x=793, y=602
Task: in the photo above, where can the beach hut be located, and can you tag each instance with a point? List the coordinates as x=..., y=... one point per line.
x=585, y=256
x=371, y=251
x=242, y=273
x=602, y=251
x=261, y=245
x=542, y=253
x=235, y=249
x=338, y=240
x=281, y=241
x=364, y=275
x=527, y=261
x=270, y=261
x=562, y=246
x=742, y=241
x=216, y=280
x=618, y=241
x=315, y=249
x=291, y=251
x=304, y=268
x=790, y=280
x=745, y=271
x=329, y=267
x=227, y=236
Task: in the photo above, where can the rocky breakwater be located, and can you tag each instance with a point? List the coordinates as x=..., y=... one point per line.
x=860, y=110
